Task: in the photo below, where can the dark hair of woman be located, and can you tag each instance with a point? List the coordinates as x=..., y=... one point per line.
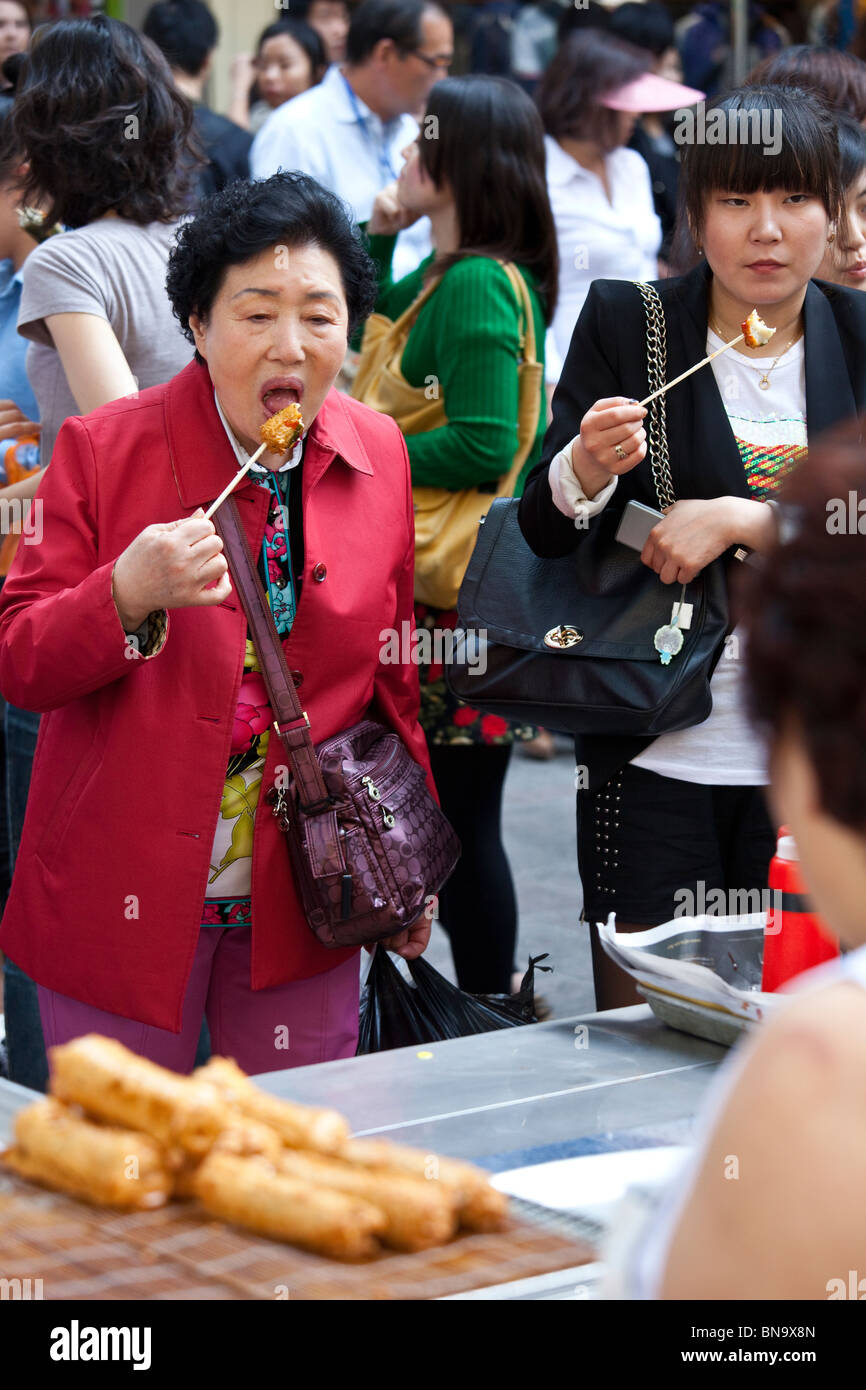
x=497, y=176
x=807, y=600
x=839, y=77
x=8, y=162
x=102, y=126
x=852, y=149
x=304, y=36
x=807, y=161
x=243, y=220
x=587, y=66
x=647, y=26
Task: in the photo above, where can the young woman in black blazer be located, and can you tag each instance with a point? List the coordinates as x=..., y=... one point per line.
x=665, y=823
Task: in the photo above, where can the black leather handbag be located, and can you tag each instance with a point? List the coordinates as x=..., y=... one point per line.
x=569, y=643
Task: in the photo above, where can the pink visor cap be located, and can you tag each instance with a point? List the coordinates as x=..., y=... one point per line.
x=651, y=93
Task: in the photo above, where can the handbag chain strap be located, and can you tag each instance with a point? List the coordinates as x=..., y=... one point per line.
x=657, y=364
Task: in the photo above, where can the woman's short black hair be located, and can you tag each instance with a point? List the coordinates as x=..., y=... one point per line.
x=102, y=125
x=807, y=160
x=305, y=36
x=497, y=177
x=589, y=64
x=852, y=150
x=244, y=219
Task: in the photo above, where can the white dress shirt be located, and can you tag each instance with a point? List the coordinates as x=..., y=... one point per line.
x=598, y=239
x=348, y=148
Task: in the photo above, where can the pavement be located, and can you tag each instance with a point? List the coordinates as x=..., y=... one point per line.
x=539, y=831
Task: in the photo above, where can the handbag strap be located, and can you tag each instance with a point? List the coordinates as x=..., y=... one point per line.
x=291, y=721
x=657, y=365
x=518, y=284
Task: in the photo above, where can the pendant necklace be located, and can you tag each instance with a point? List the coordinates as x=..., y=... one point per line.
x=764, y=382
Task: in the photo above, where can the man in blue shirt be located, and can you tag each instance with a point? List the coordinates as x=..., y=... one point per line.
x=348, y=131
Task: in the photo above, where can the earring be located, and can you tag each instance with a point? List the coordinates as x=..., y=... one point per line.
x=831, y=238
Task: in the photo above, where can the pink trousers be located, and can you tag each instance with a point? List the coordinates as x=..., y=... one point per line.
x=291, y=1025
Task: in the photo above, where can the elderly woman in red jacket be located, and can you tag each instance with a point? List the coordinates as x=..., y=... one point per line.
x=148, y=889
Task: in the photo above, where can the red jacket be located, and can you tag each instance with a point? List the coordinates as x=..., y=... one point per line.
x=112, y=871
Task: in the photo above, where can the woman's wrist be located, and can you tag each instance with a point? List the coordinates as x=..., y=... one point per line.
x=131, y=618
x=752, y=523
x=590, y=476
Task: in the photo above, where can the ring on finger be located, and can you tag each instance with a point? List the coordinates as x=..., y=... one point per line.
x=620, y=452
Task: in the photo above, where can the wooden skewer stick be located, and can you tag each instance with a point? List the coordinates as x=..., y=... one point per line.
x=682, y=376
x=236, y=479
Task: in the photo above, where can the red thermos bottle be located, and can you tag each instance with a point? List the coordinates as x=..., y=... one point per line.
x=795, y=937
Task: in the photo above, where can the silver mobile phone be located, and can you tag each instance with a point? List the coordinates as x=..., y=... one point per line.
x=636, y=523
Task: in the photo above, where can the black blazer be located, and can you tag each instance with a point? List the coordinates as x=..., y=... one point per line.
x=608, y=357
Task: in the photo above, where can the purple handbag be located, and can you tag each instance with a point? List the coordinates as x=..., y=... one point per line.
x=370, y=848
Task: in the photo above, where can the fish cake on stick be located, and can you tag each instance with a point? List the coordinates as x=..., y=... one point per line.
x=481, y=1207
x=250, y=1192
x=101, y=1164
x=419, y=1214
x=299, y=1126
x=114, y=1084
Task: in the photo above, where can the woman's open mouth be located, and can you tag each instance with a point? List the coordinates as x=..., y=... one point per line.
x=280, y=392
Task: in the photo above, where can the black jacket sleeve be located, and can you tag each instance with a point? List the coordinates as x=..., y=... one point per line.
x=591, y=372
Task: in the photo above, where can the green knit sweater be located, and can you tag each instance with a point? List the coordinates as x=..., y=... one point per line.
x=465, y=340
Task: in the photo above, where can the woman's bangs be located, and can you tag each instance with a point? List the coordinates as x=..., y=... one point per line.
x=744, y=167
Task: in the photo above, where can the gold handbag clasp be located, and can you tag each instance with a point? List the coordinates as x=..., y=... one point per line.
x=563, y=636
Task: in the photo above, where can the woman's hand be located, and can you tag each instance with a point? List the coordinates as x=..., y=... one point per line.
x=14, y=425
x=170, y=565
x=411, y=943
x=693, y=533
x=242, y=72
x=389, y=215
x=611, y=422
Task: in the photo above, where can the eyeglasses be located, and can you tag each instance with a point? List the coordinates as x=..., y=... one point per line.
x=441, y=62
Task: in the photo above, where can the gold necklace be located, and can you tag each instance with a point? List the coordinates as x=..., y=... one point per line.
x=764, y=382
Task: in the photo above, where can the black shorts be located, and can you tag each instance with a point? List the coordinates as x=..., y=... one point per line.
x=645, y=843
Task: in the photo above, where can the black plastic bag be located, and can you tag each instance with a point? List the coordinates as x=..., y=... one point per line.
x=395, y=1013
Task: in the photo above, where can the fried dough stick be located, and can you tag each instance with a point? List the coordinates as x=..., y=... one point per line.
x=480, y=1206
x=250, y=1192
x=244, y=1138
x=299, y=1126
x=109, y=1081
x=103, y=1165
x=419, y=1214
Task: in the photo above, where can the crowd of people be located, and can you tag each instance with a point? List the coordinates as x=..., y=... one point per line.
x=440, y=270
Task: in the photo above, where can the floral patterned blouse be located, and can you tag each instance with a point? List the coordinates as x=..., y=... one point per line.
x=228, y=899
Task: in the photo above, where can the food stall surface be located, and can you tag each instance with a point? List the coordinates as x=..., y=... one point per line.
x=550, y=1094
x=619, y=1079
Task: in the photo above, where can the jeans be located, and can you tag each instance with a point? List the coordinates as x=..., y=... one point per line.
x=25, y=1046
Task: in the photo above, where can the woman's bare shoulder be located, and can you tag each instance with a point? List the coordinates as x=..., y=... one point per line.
x=775, y=1209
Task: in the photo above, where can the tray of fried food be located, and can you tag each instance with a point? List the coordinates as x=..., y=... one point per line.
x=58, y=1148
x=287, y=1171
